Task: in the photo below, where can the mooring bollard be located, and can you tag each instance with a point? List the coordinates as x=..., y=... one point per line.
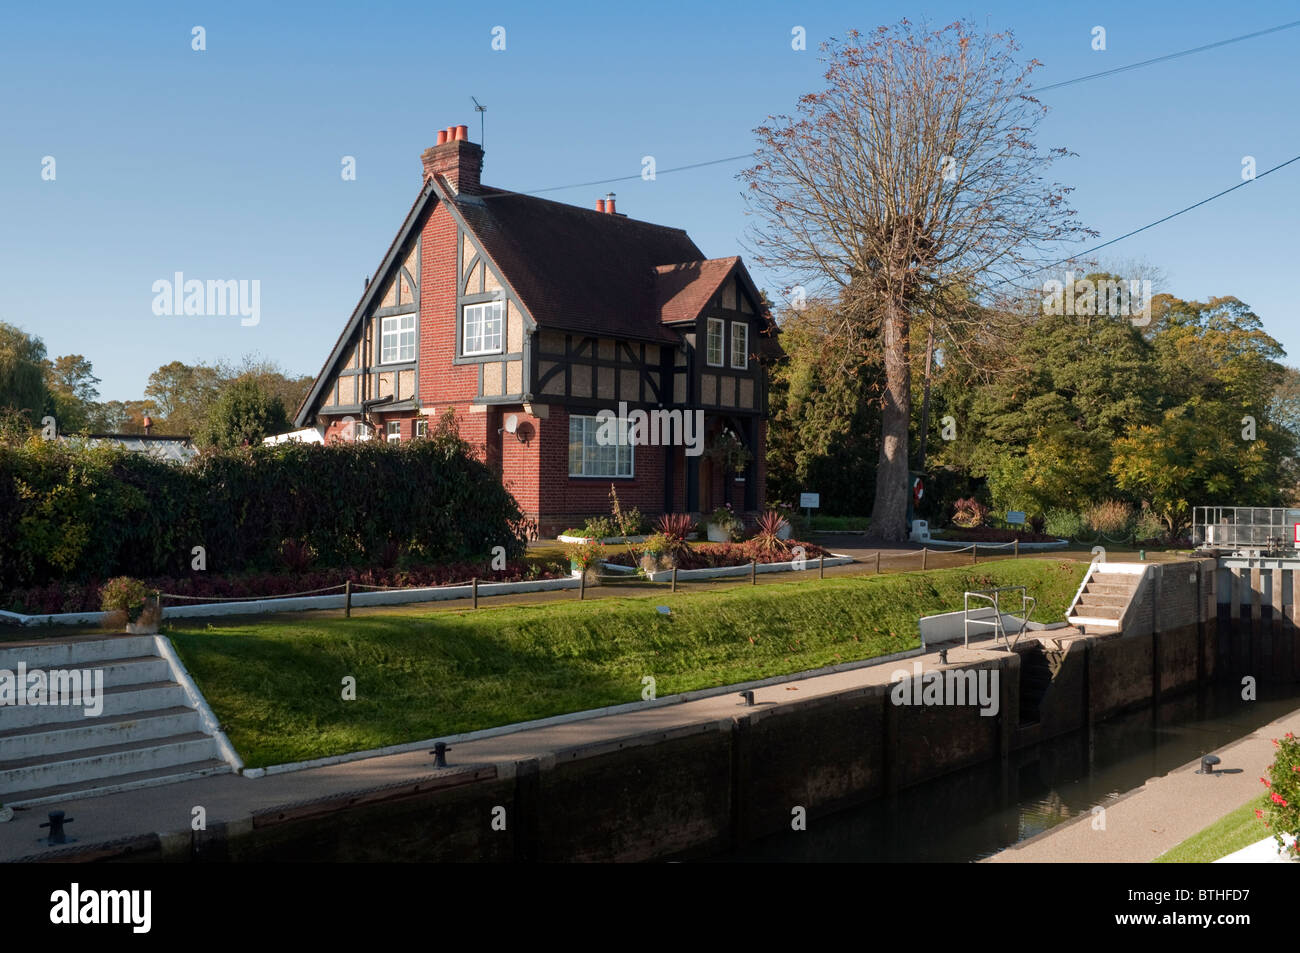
x=347, y=599
x=474, y=587
x=821, y=567
x=674, y=579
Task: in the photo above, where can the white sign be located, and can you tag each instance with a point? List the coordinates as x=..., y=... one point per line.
x=1016, y=518
x=810, y=501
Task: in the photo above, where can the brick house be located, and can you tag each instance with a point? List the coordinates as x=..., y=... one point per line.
x=529, y=318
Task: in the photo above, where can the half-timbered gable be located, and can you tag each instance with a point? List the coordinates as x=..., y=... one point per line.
x=529, y=318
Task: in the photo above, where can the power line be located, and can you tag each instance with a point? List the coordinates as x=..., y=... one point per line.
x=1158, y=221
x=1167, y=56
x=1039, y=89
x=628, y=178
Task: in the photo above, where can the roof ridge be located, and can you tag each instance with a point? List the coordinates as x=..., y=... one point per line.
x=491, y=192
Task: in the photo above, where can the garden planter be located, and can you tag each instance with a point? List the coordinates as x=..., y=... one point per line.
x=718, y=534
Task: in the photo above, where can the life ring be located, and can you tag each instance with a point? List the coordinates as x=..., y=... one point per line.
x=918, y=490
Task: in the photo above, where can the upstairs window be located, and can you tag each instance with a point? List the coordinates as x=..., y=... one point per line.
x=739, y=345
x=482, y=332
x=397, y=339
x=713, y=346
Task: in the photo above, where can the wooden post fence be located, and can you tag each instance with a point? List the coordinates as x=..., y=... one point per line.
x=347, y=599
x=474, y=586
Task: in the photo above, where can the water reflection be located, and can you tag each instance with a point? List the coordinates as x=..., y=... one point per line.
x=974, y=813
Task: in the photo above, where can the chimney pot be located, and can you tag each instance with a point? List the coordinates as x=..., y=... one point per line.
x=600, y=205
x=609, y=203
x=442, y=136
x=462, y=133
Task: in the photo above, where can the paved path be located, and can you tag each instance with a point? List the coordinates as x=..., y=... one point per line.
x=1164, y=812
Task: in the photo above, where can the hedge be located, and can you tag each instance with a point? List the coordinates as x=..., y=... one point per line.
x=75, y=513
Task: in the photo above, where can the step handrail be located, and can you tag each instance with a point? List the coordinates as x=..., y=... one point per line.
x=993, y=596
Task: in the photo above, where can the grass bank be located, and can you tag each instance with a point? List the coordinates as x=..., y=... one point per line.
x=1228, y=834
x=276, y=685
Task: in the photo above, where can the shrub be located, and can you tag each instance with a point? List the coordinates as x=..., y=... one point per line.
x=1282, y=816
x=586, y=556
x=296, y=555
x=1062, y=523
x=1037, y=522
x=129, y=600
x=1149, y=526
x=767, y=539
x=78, y=513
x=726, y=519
x=676, y=525
x=1111, y=517
x=969, y=513
x=599, y=527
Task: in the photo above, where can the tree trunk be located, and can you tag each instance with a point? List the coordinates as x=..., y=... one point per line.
x=889, y=512
x=925, y=398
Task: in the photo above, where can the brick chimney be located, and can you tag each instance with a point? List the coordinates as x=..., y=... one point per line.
x=455, y=158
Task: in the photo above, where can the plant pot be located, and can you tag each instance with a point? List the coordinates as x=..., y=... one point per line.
x=719, y=534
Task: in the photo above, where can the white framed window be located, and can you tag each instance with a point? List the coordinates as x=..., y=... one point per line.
x=482, y=330
x=713, y=342
x=394, y=431
x=588, y=457
x=739, y=345
x=421, y=428
x=397, y=339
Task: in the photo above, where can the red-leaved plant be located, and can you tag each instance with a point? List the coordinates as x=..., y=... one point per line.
x=676, y=525
x=768, y=538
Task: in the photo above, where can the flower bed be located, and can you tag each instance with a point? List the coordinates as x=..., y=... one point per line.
x=81, y=597
x=719, y=555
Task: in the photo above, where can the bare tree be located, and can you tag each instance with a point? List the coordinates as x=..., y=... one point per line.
x=912, y=173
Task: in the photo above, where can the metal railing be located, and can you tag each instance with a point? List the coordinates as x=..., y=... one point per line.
x=994, y=598
x=1245, y=529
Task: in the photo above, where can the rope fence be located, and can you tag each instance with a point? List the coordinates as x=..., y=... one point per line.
x=348, y=587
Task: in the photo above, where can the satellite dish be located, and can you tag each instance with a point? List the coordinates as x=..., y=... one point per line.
x=512, y=423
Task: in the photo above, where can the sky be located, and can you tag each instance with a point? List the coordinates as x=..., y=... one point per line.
x=226, y=163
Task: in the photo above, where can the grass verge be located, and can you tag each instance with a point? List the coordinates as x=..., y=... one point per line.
x=276, y=685
x=1230, y=833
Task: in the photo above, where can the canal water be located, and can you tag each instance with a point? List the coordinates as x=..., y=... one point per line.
x=972, y=814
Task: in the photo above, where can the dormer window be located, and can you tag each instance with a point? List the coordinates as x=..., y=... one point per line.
x=482, y=330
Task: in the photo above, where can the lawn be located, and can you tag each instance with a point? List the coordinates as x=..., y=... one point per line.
x=1230, y=833
x=276, y=684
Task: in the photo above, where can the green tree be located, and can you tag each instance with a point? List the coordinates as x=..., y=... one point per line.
x=22, y=380
x=244, y=413
x=71, y=382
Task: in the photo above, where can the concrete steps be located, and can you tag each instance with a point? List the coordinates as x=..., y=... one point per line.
x=148, y=731
x=1104, y=596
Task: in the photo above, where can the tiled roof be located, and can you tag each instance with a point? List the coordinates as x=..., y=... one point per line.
x=578, y=269
x=685, y=288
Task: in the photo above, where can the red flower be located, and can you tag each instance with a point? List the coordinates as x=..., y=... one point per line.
x=1264, y=781
x=1278, y=799
x=1259, y=814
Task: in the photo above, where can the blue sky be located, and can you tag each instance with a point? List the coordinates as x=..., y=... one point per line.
x=226, y=163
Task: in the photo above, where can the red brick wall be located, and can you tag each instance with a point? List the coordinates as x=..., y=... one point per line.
x=441, y=381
